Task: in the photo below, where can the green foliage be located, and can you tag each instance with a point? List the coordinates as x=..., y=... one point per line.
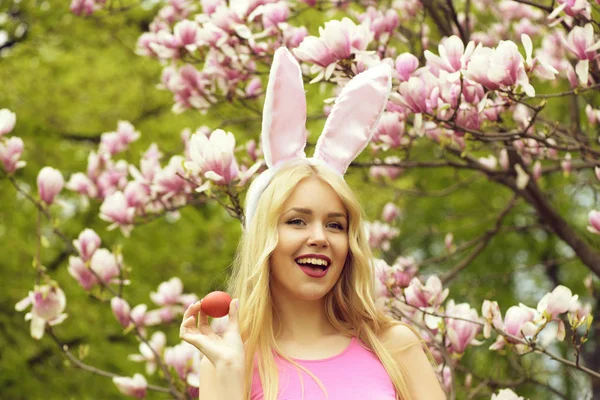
x=71, y=79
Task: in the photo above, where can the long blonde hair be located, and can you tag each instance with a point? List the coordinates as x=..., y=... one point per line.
x=350, y=305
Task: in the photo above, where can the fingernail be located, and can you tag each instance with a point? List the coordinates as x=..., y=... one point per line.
x=237, y=304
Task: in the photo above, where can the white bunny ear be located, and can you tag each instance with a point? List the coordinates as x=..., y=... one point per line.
x=350, y=125
x=284, y=111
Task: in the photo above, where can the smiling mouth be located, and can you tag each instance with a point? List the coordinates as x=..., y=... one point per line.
x=313, y=263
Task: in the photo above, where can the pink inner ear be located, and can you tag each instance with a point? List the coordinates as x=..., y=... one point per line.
x=350, y=125
x=284, y=112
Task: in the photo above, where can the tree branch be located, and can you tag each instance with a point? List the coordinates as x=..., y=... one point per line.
x=86, y=367
x=483, y=242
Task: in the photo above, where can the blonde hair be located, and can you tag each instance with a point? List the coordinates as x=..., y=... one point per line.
x=350, y=305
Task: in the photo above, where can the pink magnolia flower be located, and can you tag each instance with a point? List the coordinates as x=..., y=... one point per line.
x=141, y=317
x=344, y=37
x=406, y=64
x=86, y=7
x=118, y=141
x=390, y=212
x=80, y=183
x=186, y=33
x=105, y=265
x=507, y=67
x=181, y=358
x=380, y=234
x=414, y=94
x=171, y=293
x=214, y=156
x=48, y=303
x=168, y=181
x=156, y=344
x=135, y=387
x=116, y=210
x=592, y=115
x=559, y=301
x=518, y=322
x=506, y=394
x=254, y=87
x=499, y=67
x=403, y=271
x=293, y=36
x=96, y=163
x=50, y=182
x=390, y=130
x=571, y=76
x=431, y=294
x=84, y=276
x=381, y=271
x=121, y=310
x=382, y=25
x=314, y=50
x=453, y=55
x=542, y=68
x=274, y=14
x=490, y=312
x=7, y=121
x=581, y=42
x=386, y=171
x=113, y=178
x=10, y=153
x=87, y=243
x=461, y=333
x=571, y=8
x=516, y=11
x=137, y=194
x=209, y=6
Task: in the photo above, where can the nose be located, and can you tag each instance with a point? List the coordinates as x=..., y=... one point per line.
x=317, y=237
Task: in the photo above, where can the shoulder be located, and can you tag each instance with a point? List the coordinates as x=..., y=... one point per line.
x=399, y=337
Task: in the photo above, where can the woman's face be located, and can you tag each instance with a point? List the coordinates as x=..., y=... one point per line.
x=313, y=242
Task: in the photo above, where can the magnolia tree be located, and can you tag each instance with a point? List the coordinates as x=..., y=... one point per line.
x=504, y=90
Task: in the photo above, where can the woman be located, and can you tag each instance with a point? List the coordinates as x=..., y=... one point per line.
x=307, y=326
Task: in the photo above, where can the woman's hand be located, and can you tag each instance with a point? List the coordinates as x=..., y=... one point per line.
x=226, y=351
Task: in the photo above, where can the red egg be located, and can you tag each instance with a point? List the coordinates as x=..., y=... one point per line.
x=216, y=304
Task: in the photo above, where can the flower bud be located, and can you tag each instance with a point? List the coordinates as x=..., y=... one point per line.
x=7, y=121
x=135, y=387
x=120, y=309
x=50, y=182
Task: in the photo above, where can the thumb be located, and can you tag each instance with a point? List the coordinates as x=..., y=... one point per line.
x=233, y=310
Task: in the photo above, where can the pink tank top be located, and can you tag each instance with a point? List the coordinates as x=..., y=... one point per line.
x=354, y=374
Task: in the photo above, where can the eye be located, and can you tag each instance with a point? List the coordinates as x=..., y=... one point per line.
x=295, y=221
x=336, y=225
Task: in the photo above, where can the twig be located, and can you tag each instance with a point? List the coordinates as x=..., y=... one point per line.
x=485, y=239
x=80, y=364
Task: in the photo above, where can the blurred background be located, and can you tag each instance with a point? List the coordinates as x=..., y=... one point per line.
x=71, y=79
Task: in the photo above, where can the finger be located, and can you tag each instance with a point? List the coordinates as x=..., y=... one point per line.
x=189, y=323
x=203, y=325
x=204, y=344
x=192, y=309
x=232, y=323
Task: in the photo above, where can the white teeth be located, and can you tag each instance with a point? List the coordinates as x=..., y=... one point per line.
x=314, y=261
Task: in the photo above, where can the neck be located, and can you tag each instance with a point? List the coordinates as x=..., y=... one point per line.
x=302, y=321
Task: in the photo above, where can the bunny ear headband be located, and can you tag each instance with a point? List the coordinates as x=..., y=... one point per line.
x=347, y=131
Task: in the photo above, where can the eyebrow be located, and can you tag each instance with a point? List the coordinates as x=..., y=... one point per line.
x=309, y=212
